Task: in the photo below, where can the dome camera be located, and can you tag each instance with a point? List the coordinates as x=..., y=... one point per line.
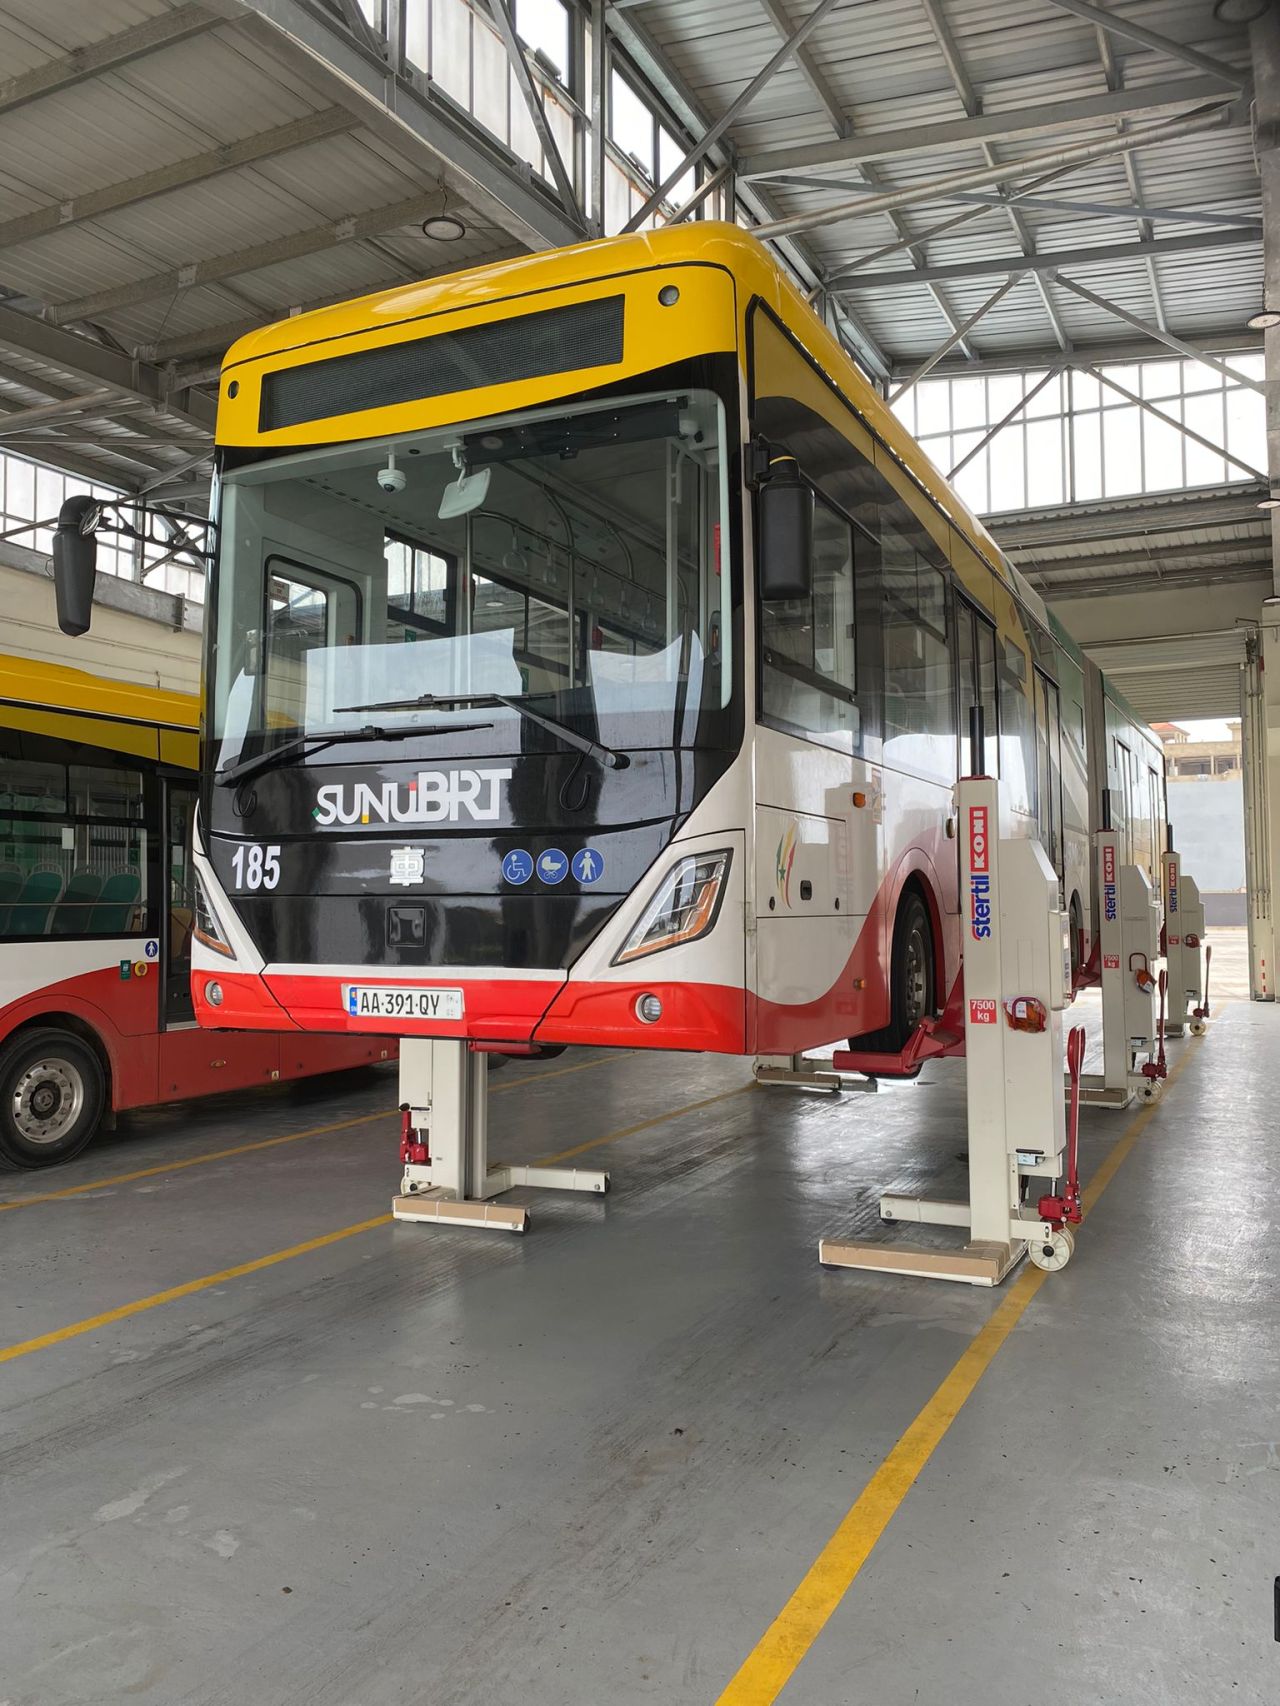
x=391, y=478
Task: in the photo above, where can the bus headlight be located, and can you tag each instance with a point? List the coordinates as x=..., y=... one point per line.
x=684, y=908
x=213, y=993
x=206, y=929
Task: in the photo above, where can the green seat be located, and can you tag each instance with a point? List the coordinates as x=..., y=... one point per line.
x=113, y=913
x=75, y=908
x=29, y=914
x=10, y=889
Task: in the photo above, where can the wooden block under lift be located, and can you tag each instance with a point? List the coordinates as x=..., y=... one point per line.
x=448, y=1211
x=977, y=1264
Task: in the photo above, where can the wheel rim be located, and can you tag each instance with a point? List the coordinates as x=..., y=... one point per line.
x=915, y=975
x=47, y=1100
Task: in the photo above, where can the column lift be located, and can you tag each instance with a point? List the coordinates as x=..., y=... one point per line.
x=444, y=1144
x=1013, y=986
x=1186, y=951
x=1126, y=966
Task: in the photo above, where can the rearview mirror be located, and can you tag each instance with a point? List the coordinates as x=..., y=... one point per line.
x=784, y=549
x=75, y=565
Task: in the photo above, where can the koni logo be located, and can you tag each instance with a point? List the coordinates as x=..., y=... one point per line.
x=980, y=897
x=434, y=796
x=1173, y=885
x=1109, y=881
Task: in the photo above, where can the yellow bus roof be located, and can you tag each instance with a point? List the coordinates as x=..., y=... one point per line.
x=706, y=241
x=55, y=686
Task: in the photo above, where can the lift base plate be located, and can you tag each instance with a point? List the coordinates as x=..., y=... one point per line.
x=975, y=1264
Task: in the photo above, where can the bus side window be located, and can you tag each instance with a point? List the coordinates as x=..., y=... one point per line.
x=919, y=709
x=809, y=645
x=1017, y=730
x=976, y=684
x=1049, y=769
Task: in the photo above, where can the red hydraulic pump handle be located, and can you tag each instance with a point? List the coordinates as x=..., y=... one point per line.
x=1066, y=1207
x=1203, y=1012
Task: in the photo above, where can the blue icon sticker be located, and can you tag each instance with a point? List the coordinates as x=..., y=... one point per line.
x=151, y=950
x=588, y=867
x=552, y=865
x=517, y=867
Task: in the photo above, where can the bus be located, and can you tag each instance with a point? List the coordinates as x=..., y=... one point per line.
x=97, y=798
x=591, y=655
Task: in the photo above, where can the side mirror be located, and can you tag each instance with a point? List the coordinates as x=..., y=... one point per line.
x=75, y=565
x=784, y=548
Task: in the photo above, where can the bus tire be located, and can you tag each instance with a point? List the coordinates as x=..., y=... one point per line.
x=53, y=1093
x=912, y=978
x=912, y=969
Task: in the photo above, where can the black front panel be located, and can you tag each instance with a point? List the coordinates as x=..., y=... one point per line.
x=458, y=864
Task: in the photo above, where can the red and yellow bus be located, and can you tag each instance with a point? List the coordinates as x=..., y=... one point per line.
x=97, y=795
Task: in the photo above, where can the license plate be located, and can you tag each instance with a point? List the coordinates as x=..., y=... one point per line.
x=378, y=1001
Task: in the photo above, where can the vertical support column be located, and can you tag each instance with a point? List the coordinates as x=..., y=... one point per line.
x=1264, y=772
x=1257, y=853
x=992, y=1170
x=599, y=112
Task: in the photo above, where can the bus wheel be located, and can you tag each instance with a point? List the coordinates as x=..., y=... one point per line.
x=52, y=1095
x=911, y=988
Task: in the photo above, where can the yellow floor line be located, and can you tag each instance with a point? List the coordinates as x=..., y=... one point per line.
x=773, y=1661
x=644, y=1125
x=45, y=1341
x=10, y=1353
x=193, y=1161
x=250, y=1148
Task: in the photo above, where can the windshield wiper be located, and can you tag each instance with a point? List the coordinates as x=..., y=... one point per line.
x=302, y=746
x=441, y=701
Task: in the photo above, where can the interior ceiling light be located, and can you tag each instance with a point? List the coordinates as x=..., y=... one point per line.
x=1264, y=319
x=1239, y=11
x=444, y=227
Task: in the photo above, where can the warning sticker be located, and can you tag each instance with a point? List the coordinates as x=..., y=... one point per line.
x=1111, y=962
x=981, y=1010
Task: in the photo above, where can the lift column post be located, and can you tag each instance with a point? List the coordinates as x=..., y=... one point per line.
x=1017, y=971
x=448, y=1179
x=1183, y=936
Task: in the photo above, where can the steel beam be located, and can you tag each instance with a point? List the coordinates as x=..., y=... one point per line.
x=781, y=20
x=992, y=203
x=1078, y=153
x=1005, y=420
x=537, y=112
x=599, y=97
x=1048, y=261
x=960, y=333
x=1118, y=24
x=1126, y=349
x=95, y=364
x=312, y=241
x=1057, y=592
x=988, y=127
x=1193, y=352
x=427, y=133
x=1167, y=551
x=181, y=174
x=112, y=53
x=1171, y=420
x=738, y=105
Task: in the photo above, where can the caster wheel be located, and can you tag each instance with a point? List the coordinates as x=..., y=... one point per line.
x=1150, y=1091
x=1054, y=1254
x=1197, y=1027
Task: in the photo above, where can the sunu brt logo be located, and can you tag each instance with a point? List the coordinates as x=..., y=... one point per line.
x=980, y=897
x=434, y=796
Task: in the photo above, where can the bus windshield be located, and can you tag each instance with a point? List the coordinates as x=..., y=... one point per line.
x=568, y=558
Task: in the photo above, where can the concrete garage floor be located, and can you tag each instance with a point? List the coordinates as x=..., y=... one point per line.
x=595, y=1464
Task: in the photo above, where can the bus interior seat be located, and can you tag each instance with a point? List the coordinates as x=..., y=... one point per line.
x=112, y=915
x=75, y=908
x=29, y=915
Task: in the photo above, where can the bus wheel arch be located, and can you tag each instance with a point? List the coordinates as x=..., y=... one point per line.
x=916, y=964
x=55, y=1089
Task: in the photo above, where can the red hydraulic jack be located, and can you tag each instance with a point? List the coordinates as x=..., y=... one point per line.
x=1202, y=1013
x=1065, y=1208
x=932, y=1039
x=1157, y=1068
x=414, y=1151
